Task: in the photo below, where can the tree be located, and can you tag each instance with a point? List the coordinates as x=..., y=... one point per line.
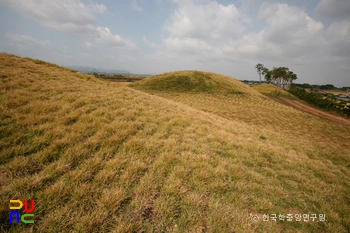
x=283, y=77
x=267, y=74
x=279, y=76
x=292, y=77
x=259, y=68
x=95, y=73
x=327, y=87
x=305, y=85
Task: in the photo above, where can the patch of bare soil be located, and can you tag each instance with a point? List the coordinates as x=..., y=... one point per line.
x=303, y=107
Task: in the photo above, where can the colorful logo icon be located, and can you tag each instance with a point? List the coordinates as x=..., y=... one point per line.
x=15, y=214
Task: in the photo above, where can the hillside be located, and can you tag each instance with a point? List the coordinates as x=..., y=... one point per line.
x=271, y=90
x=98, y=156
x=257, y=110
x=192, y=82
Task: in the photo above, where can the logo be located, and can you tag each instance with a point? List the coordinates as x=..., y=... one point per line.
x=15, y=215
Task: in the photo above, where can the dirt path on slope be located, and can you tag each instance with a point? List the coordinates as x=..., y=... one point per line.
x=303, y=107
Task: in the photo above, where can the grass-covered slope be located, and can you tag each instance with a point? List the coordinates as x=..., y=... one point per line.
x=192, y=82
x=101, y=157
x=271, y=90
x=258, y=110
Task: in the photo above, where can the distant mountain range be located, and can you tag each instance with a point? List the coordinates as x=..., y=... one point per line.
x=85, y=69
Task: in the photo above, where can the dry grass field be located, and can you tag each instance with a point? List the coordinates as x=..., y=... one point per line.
x=286, y=98
x=250, y=107
x=212, y=155
x=335, y=92
x=271, y=90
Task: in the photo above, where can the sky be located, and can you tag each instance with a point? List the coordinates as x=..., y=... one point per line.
x=310, y=37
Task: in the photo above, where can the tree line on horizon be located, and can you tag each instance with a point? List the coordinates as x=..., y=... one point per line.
x=321, y=87
x=279, y=76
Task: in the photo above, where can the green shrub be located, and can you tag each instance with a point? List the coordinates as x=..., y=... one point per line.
x=324, y=101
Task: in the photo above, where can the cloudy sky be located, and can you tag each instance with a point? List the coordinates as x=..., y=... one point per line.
x=311, y=37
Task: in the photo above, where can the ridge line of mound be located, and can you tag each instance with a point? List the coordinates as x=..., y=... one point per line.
x=193, y=82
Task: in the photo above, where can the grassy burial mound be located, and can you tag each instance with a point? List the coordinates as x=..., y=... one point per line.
x=252, y=108
x=192, y=82
x=97, y=156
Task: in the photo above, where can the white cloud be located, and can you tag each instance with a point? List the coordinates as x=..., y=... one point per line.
x=334, y=9
x=188, y=45
x=205, y=20
x=98, y=8
x=210, y=29
x=338, y=35
x=136, y=6
x=219, y=35
x=116, y=41
x=29, y=41
x=291, y=30
x=30, y=46
x=150, y=44
x=288, y=24
x=88, y=31
x=88, y=44
x=56, y=14
x=85, y=55
x=125, y=58
x=70, y=16
x=201, y=29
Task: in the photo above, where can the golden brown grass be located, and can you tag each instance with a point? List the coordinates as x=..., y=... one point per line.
x=271, y=90
x=335, y=92
x=101, y=157
x=261, y=112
